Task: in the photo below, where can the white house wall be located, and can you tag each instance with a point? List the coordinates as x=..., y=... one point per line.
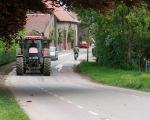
x=76, y=35
x=65, y=26
x=52, y=27
x=49, y=27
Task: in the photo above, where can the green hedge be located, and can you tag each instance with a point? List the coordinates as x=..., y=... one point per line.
x=7, y=56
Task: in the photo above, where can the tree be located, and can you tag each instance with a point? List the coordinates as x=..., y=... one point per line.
x=13, y=12
x=122, y=36
x=13, y=16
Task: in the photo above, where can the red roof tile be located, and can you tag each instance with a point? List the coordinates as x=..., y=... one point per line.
x=62, y=14
x=37, y=22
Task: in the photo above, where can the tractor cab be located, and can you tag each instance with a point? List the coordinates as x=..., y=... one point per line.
x=32, y=46
x=34, y=52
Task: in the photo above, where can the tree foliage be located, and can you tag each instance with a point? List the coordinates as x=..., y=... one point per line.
x=102, y=5
x=8, y=54
x=122, y=36
x=13, y=12
x=13, y=16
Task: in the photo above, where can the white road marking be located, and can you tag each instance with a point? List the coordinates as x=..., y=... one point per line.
x=129, y=95
x=64, y=54
x=107, y=119
x=56, y=95
x=122, y=93
x=70, y=102
x=61, y=98
x=136, y=96
x=80, y=107
x=93, y=113
x=59, y=67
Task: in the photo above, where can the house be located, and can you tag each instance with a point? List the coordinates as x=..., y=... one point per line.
x=60, y=27
x=65, y=27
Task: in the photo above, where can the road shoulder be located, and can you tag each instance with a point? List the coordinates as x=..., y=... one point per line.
x=10, y=110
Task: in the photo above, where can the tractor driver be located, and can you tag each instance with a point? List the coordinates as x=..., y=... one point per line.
x=33, y=44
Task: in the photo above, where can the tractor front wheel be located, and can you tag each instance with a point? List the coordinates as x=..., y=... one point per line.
x=47, y=66
x=19, y=66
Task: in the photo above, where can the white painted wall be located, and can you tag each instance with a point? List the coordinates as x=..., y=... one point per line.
x=65, y=26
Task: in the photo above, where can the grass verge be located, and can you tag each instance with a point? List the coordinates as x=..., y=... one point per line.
x=117, y=77
x=9, y=109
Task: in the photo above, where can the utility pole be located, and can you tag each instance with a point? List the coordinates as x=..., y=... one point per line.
x=88, y=53
x=88, y=43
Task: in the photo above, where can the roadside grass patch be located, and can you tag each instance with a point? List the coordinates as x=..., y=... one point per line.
x=9, y=109
x=117, y=77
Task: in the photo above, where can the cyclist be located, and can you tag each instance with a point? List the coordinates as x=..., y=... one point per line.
x=76, y=52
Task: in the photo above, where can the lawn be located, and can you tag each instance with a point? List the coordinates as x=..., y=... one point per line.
x=9, y=109
x=117, y=77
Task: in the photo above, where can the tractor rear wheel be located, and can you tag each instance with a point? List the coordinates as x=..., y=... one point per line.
x=19, y=66
x=47, y=67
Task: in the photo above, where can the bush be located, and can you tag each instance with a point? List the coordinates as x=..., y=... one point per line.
x=8, y=53
x=122, y=37
x=7, y=56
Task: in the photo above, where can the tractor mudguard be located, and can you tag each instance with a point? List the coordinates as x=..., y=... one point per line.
x=18, y=52
x=45, y=52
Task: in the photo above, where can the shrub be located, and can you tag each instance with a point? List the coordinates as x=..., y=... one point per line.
x=7, y=55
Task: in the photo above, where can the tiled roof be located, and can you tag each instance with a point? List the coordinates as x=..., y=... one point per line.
x=37, y=22
x=62, y=15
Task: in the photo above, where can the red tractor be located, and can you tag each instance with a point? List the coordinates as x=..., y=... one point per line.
x=33, y=54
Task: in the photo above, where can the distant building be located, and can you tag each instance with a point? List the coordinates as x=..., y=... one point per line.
x=67, y=27
x=60, y=27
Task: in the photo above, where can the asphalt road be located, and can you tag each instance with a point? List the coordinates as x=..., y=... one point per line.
x=66, y=95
